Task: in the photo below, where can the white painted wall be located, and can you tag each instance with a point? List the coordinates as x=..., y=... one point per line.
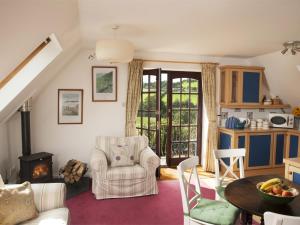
x=99, y=118
x=3, y=150
x=282, y=75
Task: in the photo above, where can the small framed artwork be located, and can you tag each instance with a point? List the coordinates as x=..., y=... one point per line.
x=104, y=84
x=70, y=106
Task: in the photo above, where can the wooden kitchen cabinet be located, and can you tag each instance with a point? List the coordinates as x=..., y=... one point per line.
x=292, y=147
x=260, y=150
x=292, y=169
x=265, y=149
x=279, y=148
x=241, y=85
x=225, y=143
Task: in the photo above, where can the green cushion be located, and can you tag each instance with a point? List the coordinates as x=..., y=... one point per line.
x=215, y=212
x=220, y=191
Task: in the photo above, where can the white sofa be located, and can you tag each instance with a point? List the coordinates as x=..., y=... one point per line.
x=125, y=181
x=49, y=199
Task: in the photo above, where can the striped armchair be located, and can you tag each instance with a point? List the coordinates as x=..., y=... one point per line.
x=125, y=181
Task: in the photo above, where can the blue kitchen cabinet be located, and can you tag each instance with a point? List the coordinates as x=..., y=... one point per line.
x=296, y=178
x=240, y=85
x=241, y=143
x=279, y=148
x=293, y=145
x=225, y=143
x=292, y=169
x=260, y=150
x=251, y=87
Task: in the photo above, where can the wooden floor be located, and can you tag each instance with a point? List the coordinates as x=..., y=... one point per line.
x=171, y=173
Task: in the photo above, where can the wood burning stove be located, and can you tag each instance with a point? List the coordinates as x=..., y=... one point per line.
x=37, y=167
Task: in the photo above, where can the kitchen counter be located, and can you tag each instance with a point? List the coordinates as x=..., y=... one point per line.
x=265, y=149
x=258, y=130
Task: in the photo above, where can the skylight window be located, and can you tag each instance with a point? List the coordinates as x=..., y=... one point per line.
x=29, y=69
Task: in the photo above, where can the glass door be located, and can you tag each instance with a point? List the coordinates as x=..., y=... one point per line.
x=184, y=116
x=148, y=119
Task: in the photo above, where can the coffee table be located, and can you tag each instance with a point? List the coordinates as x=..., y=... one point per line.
x=243, y=194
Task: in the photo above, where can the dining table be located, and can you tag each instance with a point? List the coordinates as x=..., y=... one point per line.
x=243, y=194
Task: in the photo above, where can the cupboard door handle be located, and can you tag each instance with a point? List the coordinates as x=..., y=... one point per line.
x=290, y=173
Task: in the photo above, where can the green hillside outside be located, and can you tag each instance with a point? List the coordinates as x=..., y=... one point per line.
x=187, y=101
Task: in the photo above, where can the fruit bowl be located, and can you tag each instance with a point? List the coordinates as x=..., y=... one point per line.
x=277, y=199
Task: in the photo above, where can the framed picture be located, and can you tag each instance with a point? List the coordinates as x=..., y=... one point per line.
x=104, y=83
x=70, y=106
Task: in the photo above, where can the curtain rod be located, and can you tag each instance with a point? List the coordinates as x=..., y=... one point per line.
x=182, y=62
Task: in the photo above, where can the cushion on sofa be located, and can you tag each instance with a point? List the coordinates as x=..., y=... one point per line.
x=126, y=172
x=17, y=204
x=121, y=155
x=57, y=216
x=1, y=182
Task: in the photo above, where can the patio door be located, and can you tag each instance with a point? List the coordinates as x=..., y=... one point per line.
x=184, y=116
x=170, y=114
x=148, y=119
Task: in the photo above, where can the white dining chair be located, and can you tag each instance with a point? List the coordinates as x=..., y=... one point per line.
x=235, y=156
x=271, y=218
x=199, y=210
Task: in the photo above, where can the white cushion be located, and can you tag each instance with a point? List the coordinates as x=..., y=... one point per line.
x=126, y=172
x=139, y=143
x=121, y=155
x=58, y=216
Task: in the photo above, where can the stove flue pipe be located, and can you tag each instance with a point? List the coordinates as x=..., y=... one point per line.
x=25, y=126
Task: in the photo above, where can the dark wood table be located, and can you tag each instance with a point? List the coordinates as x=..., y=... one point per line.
x=243, y=194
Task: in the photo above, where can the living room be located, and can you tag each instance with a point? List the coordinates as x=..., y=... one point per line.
x=79, y=77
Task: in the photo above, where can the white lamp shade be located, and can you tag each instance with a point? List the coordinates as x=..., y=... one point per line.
x=114, y=51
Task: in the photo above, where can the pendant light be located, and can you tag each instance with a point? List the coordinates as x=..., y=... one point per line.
x=114, y=50
x=294, y=46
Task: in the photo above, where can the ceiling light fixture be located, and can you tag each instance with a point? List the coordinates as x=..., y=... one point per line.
x=114, y=50
x=294, y=46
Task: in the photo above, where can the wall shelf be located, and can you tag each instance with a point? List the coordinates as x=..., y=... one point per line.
x=254, y=106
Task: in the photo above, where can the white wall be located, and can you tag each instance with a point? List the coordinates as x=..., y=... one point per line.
x=3, y=150
x=99, y=118
x=282, y=75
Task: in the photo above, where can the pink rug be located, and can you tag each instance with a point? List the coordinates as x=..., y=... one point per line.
x=162, y=209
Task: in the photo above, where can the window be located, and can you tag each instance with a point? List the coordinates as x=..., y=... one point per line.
x=29, y=69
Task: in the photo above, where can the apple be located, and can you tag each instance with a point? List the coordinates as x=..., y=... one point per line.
x=287, y=194
x=277, y=189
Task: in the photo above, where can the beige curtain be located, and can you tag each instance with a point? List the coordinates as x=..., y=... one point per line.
x=135, y=70
x=209, y=93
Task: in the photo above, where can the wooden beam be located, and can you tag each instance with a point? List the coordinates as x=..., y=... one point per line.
x=12, y=74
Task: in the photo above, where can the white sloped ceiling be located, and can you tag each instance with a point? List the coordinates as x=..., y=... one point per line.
x=24, y=25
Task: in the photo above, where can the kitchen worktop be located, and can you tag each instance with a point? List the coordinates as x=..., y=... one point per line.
x=258, y=130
